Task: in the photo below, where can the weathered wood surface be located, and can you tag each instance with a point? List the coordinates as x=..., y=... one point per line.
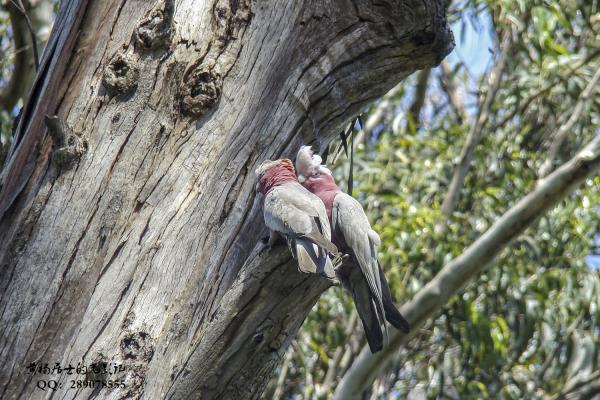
x=144, y=250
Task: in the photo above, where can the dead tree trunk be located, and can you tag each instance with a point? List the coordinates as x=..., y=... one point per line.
x=130, y=225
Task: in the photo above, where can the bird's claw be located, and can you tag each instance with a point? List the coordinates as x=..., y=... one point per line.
x=266, y=246
x=334, y=281
x=339, y=259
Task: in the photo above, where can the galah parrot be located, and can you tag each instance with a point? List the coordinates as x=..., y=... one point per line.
x=352, y=234
x=298, y=215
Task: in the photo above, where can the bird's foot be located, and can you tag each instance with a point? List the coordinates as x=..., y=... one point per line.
x=339, y=259
x=334, y=281
x=269, y=242
x=265, y=246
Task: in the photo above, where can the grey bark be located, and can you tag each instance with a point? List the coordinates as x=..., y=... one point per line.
x=130, y=232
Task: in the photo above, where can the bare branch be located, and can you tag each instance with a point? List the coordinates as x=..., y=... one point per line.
x=472, y=262
x=577, y=384
x=18, y=4
x=449, y=85
x=334, y=363
x=278, y=394
x=474, y=135
x=23, y=71
x=553, y=356
x=419, y=98
x=376, y=116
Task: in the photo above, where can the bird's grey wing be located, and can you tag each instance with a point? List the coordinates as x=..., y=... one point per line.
x=392, y=314
x=351, y=278
x=303, y=231
x=310, y=203
x=299, y=212
x=283, y=217
x=350, y=221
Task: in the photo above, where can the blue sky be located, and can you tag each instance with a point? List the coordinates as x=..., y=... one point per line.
x=473, y=45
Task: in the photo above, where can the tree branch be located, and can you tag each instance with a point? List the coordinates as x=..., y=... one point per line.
x=472, y=262
x=18, y=4
x=376, y=116
x=257, y=319
x=523, y=105
x=574, y=385
x=564, y=129
x=31, y=28
x=419, y=98
x=334, y=362
x=278, y=394
x=449, y=86
x=474, y=135
x=23, y=70
x=554, y=354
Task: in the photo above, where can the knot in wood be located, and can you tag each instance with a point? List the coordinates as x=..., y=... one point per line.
x=229, y=17
x=200, y=91
x=155, y=29
x=121, y=75
x=137, y=346
x=258, y=338
x=67, y=145
x=65, y=157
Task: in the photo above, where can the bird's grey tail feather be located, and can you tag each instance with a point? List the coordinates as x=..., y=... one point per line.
x=391, y=312
x=367, y=311
x=378, y=300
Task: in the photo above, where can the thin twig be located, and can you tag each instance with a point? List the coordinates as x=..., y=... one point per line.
x=520, y=109
x=282, y=375
x=377, y=116
x=564, y=129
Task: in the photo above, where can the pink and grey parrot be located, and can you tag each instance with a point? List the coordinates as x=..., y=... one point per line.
x=352, y=234
x=298, y=215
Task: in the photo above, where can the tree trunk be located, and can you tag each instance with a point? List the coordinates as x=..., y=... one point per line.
x=131, y=226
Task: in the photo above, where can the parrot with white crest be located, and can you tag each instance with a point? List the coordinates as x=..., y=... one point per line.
x=352, y=234
x=298, y=215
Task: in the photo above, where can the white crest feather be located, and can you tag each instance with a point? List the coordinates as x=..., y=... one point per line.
x=309, y=164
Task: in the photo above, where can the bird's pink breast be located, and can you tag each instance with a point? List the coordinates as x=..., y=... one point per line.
x=325, y=188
